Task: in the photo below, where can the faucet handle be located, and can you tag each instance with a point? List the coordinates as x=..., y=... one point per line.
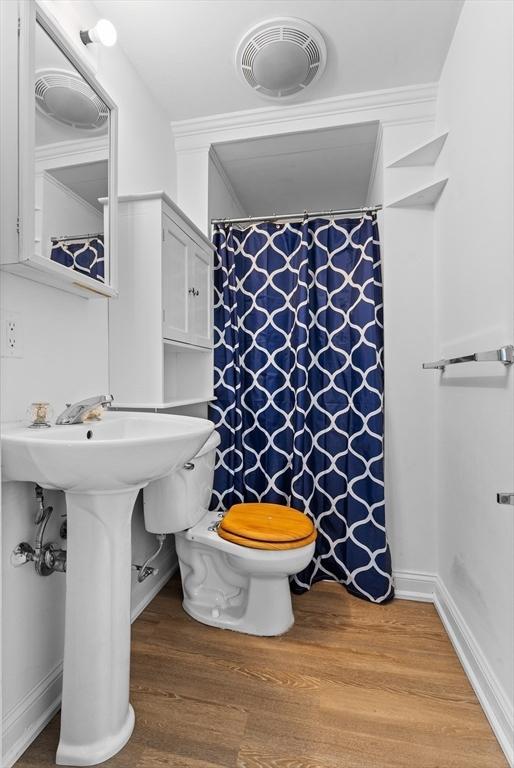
x=39, y=415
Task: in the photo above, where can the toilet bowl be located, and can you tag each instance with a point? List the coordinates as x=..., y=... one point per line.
x=225, y=584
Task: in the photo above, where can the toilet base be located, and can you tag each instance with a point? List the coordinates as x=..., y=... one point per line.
x=263, y=609
x=233, y=587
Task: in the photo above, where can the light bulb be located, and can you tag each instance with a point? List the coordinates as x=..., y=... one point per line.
x=103, y=32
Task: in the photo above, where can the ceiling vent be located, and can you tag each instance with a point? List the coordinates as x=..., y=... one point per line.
x=281, y=57
x=66, y=98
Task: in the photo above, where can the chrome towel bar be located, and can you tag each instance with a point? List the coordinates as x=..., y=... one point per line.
x=503, y=355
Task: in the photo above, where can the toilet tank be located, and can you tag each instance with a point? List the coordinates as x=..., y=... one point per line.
x=178, y=501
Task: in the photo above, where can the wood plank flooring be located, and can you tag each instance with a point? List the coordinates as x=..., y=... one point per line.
x=352, y=685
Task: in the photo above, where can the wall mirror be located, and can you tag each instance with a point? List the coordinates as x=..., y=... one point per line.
x=67, y=179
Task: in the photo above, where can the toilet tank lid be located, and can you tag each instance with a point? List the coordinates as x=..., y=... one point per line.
x=211, y=443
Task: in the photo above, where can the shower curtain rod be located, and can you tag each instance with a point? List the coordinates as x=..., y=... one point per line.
x=302, y=215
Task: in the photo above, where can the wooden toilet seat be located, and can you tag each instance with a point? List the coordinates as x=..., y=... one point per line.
x=266, y=526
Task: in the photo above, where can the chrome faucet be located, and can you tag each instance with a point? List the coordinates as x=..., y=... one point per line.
x=75, y=413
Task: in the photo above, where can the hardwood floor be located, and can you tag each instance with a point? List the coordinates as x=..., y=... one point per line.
x=352, y=685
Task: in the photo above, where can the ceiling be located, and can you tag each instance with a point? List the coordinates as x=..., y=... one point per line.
x=184, y=49
x=313, y=170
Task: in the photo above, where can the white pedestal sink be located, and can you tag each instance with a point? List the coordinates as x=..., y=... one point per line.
x=101, y=466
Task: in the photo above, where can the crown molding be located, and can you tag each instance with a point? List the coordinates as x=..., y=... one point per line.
x=413, y=103
x=94, y=146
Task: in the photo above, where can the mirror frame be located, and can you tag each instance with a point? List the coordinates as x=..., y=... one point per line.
x=43, y=269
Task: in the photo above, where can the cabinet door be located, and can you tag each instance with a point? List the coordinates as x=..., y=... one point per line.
x=175, y=261
x=200, y=296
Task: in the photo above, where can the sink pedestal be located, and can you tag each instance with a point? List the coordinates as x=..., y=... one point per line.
x=97, y=719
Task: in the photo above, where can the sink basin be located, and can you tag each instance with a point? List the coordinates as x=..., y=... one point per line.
x=124, y=449
x=101, y=466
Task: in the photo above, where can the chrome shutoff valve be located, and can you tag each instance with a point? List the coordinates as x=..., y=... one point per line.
x=46, y=557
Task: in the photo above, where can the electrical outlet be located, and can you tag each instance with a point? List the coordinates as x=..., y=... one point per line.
x=12, y=334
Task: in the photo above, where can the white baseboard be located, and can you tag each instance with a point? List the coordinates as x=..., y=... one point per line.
x=427, y=587
x=27, y=719
x=497, y=708
x=414, y=585
x=24, y=722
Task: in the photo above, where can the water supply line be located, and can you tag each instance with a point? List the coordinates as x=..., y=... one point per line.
x=46, y=557
x=146, y=569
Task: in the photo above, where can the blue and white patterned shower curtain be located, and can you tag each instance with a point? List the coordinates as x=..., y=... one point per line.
x=299, y=387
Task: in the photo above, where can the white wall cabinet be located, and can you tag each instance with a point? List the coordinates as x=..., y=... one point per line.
x=199, y=291
x=186, y=286
x=160, y=327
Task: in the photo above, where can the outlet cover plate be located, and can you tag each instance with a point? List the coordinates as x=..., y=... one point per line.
x=12, y=334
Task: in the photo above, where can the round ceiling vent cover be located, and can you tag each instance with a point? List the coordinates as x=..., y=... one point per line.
x=281, y=57
x=66, y=98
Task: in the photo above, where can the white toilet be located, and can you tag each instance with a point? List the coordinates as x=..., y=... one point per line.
x=225, y=584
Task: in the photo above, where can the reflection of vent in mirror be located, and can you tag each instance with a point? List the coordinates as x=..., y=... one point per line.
x=67, y=98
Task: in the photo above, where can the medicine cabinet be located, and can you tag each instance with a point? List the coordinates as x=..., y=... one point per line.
x=58, y=157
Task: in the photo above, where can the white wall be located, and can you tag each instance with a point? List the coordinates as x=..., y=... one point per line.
x=65, y=359
x=408, y=275
x=376, y=180
x=222, y=199
x=474, y=281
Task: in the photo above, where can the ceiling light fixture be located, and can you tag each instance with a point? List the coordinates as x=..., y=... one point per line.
x=103, y=32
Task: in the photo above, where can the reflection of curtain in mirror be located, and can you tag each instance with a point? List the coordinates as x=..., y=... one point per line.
x=85, y=255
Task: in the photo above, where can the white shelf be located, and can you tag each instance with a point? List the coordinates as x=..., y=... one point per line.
x=44, y=270
x=426, y=154
x=185, y=345
x=426, y=197
x=161, y=406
